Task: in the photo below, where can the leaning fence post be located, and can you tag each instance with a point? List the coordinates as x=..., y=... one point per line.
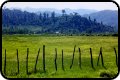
x=116, y=57
x=27, y=61
x=44, y=58
x=79, y=57
x=56, y=59
x=73, y=57
x=102, y=58
x=98, y=59
x=5, y=63
x=17, y=61
x=100, y=54
x=62, y=61
x=36, y=60
x=91, y=58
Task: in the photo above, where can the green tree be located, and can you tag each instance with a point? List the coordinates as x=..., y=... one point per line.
x=63, y=12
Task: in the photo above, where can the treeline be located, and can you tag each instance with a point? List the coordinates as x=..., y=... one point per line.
x=22, y=22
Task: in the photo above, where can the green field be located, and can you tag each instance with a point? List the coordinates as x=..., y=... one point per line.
x=34, y=42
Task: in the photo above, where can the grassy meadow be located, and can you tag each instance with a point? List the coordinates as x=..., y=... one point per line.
x=34, y=42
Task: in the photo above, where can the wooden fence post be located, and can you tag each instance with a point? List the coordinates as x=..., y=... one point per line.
x=17, y=61
x=5, y=63
x=116, y=57
x=100, y=54
x=56, y=59
x=73, y=57
x=36, y=60
x=79, y=57
x=62, y=61
x=27, y=61
x=102, y=58
x=44, y=58
x=91, y=59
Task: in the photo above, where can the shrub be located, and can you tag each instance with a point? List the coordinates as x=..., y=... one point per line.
x=106, y=74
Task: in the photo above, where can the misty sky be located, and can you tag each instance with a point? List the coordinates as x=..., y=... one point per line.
x=63, y=5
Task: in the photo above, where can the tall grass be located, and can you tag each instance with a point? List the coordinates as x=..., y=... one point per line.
x=22, y=42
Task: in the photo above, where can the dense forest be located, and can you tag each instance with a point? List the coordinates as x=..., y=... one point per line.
x=22, y=22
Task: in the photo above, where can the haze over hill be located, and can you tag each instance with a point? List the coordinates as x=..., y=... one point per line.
x=57, y=11
x=108, y=17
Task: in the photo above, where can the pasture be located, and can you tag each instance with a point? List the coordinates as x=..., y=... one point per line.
x=67, y=43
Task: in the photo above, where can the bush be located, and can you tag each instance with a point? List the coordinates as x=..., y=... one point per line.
x=115, y=35
x=107, y=74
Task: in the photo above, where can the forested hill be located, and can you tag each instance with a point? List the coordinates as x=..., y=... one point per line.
x=16, y=21
x=108, y=17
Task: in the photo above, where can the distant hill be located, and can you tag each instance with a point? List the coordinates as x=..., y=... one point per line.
x=68, y=11
x=23, y=22
x=108, y=17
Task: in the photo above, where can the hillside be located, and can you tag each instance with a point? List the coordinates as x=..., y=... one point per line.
x=17, y=21
x=107, y=17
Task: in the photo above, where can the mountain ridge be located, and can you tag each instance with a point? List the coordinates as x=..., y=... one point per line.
x=107, y=17
x=68, y=10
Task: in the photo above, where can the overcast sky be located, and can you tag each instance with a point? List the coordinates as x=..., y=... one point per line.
x=62, y=5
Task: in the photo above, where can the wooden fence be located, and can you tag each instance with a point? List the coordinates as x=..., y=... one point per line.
x=55, y=60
